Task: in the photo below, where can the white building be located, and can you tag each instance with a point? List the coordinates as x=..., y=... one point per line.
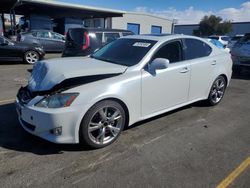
x=142, y=23
x=139, y=23
x=62, y=16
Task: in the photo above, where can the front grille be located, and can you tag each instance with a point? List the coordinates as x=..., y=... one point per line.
x=24, y=95
x=28, y=126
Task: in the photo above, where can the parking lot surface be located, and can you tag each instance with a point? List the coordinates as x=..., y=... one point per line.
x=195, y=146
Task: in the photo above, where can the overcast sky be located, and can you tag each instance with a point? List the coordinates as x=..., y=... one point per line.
x=185, y=11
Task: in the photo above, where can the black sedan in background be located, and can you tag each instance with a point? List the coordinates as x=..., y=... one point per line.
x=17, y=51
x=50, y=41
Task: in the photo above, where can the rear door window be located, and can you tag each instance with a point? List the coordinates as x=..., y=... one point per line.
x=43, y=34
x=109, y=37
x=195, y=48
x=57, y=36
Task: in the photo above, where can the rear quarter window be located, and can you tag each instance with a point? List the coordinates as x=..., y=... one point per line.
x=194, y=48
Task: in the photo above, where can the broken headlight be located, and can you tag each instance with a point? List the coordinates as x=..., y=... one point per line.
x=58, y=100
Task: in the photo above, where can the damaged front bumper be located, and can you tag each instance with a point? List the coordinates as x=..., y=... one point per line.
x=55, y=125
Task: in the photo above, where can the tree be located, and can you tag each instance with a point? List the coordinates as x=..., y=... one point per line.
x=210, y=25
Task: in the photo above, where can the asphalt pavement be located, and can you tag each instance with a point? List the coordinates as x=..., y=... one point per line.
x=195, y=146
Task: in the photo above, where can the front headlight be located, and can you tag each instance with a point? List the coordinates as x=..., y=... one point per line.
x=58, y=100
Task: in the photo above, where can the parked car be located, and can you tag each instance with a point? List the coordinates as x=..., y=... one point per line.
x=233, y=40
x=16, y=51
x=91, y=99
x=218, y=44
x=84, y=41
x=50, y=41
x=241, y=53
x=223, y=39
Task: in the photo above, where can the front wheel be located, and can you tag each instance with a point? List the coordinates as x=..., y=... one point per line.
x=217, y=91
x=102, y=124
x=31, y=57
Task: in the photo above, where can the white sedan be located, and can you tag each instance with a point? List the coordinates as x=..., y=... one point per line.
x=91, y=99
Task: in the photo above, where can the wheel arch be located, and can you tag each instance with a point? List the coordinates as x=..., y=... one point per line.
x=225, y=77
x=28, y=50
x=122, y=103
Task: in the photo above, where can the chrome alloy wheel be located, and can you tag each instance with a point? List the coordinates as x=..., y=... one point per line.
x=218, y=90
x=31, y=57
x=105, y=125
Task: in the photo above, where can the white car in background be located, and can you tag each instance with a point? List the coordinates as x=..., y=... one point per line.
x=91, y=99
x=223, y=39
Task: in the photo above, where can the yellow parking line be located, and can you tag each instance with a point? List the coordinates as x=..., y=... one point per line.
x=231, y=177
x=6, y=101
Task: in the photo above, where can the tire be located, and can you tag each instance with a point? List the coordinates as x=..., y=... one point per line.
x=217, y=91
x=102, y=124
x=31, y=57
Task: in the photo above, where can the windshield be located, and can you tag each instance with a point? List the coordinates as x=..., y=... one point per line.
x=245, y=39
x=127, y=52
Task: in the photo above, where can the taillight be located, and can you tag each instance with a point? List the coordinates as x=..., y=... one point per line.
x=86, y=45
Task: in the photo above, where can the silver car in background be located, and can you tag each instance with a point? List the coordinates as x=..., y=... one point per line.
x=91, y=99
x=241, y=53
x=50, y=41
x=233, y=40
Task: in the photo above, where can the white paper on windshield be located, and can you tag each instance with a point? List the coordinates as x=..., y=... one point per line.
x=142, y=44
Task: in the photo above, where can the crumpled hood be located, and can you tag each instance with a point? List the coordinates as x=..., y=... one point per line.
x=45, y=75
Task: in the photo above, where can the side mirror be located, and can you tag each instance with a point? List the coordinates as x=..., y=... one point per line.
x=159, y=63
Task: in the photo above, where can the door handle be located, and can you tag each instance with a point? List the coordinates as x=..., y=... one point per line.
x=213, y=62
x=184, y=70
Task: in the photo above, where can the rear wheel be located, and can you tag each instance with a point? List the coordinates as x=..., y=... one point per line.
x=217, y=91
x=102, y=124
x=31, y=57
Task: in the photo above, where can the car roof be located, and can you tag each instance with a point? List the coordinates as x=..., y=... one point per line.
x=101, y=29
x=218, y=36
x=39, y=30
x=161, y=37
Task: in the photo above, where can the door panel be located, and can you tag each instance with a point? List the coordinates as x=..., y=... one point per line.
x=200, y=80
x=202, y=65
x=44, y=39
x=10, y=52
x=165, y=89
